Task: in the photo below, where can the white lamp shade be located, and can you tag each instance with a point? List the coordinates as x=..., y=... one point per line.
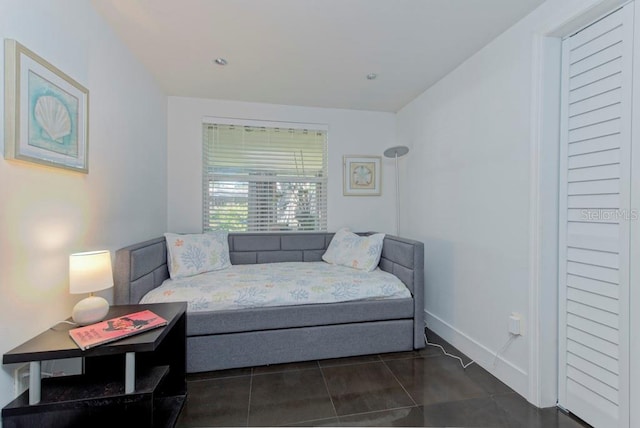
x=89, y=272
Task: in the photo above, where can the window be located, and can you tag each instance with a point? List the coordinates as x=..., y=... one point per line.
x=264, y=179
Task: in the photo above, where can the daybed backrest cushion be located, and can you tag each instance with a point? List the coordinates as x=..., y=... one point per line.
x=354, y=251
x=250, y=248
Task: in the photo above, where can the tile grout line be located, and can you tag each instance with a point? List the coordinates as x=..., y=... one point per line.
x=400, y=383
x=359, y=414
x=249, y=401
x=207, y=379
x=504, y=410
x=381, y=410
x=410, y=357
x=350, y=364
x=285, y=371
x=326, y=385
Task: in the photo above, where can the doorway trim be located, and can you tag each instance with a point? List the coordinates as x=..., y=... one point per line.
x=543, y=193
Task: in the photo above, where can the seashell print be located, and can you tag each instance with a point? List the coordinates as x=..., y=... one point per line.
x=53, y=117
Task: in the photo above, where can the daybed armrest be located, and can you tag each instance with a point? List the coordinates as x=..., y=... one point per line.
x=405, y=259
x=138, y=269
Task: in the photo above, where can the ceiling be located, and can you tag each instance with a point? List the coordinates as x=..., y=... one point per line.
x=308, y=52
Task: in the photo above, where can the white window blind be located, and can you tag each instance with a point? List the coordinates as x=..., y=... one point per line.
x=264, y=179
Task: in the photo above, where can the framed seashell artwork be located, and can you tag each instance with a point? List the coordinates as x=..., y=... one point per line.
x=46, y=112
x=361, y=175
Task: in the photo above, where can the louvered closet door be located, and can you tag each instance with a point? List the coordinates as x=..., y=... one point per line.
x=594, y=227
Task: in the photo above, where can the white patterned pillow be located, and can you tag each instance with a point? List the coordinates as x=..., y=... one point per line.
x=358, y=252
x=191, y=254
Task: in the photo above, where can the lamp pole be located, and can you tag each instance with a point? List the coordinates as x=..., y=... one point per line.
x=395, y=153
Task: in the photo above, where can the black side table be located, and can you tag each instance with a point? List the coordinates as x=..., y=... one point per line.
x=138, y=380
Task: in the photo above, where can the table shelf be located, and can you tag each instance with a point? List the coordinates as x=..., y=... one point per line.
x=66, y=392
x=97, y=398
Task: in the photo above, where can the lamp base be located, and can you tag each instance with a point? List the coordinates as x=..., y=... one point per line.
x=90, y=310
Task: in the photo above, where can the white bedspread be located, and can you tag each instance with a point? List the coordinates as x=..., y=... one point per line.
x=277, y=284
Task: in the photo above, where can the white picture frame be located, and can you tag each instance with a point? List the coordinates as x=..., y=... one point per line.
x=362, y=175
x=46, y=112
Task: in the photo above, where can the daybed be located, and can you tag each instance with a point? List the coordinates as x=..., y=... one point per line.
x=260, y=336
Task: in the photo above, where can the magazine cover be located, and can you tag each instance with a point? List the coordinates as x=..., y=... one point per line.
x=115, y=328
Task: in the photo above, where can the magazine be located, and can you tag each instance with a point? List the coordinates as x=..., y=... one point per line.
x=115, y=328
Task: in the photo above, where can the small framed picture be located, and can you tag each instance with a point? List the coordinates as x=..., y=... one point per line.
x=46, y=112
x=361, y=175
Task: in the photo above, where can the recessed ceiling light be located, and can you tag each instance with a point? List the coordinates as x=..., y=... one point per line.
x=220, y=61
x=371, y=76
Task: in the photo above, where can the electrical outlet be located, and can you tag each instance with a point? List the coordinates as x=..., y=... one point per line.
x=49, y=368
x=515, y=326
x=21, y=379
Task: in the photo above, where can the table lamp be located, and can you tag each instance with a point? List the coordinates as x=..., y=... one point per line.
x=89, y=272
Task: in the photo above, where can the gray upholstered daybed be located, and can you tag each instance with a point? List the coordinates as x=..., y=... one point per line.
x=259, y=336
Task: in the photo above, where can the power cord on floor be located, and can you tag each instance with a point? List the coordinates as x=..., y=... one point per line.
x=464, y=366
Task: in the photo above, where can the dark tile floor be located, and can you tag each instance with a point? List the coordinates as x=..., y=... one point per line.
x=423, y=388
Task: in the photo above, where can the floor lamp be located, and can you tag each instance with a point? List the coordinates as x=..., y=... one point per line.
x=397, y=152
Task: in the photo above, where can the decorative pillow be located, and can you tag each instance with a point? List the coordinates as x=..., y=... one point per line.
x=359, y=252
x=191, y=254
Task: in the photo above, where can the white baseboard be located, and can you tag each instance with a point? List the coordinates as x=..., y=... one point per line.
x=515, y=377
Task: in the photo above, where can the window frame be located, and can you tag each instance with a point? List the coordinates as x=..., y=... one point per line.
x=319, y=183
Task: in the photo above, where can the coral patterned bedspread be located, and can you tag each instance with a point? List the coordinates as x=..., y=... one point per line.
x=277, y=284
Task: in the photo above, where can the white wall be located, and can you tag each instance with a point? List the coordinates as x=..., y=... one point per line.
x=47, y=213
x=470, y=161
x=350, y=132
x=475, y=166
